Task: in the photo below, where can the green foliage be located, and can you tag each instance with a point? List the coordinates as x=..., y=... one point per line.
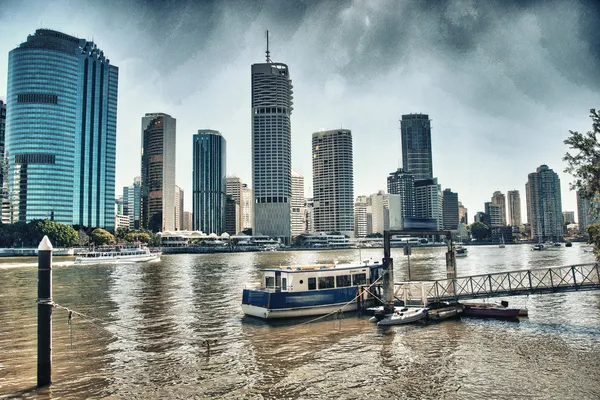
x=101, y=237
x=138, y=237
x=480, y=231
x=31, y=234
x=584, y=165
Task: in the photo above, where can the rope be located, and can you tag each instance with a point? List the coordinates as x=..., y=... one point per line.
x=339, y=310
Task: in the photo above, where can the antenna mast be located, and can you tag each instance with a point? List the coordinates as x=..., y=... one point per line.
x=268, y=52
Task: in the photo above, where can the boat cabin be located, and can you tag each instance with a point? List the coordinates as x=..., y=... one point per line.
x=318, y=277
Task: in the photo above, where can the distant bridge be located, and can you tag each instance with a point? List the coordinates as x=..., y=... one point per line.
x=572, y=278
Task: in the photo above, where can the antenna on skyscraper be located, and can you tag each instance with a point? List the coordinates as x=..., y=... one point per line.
x=268, y=52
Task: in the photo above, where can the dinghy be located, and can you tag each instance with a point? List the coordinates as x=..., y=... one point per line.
x=403, y=316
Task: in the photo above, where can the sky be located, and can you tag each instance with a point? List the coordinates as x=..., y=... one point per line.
x=502, y=81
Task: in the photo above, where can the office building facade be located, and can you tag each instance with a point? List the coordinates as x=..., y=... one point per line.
x=416, y=146
x=298, y=214
x=429, y=201
x=178, y=210
x=61, y=131
x=403, y=184
x=544, y=205
x=3, y=167
x=568, y=217
x=463, y=214
x=271, y=149
x=158, y=171
x=450, y=210
x=493, y=214
x=132, y=202
x=514, y=208
x=247, y=207
x=333, y=181
x=208, y=181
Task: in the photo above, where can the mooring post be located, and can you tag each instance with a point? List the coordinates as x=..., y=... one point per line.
x=388, y=277
x=45, y=304
x=451, y=264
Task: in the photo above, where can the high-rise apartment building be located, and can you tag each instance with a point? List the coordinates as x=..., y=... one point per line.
x=499, y=199
x=568, y=217
x=208, y=181
x=463, y=216
x=514, y=208
x=132, y=202
x=232, y=211
x=416, y=145
x=178, y=211
x=544, y=205
x=272, y=149
x=362, y=213
x=587, y=213
x=158, y=172
x=309, y=206
x=333, y=181
x=247, y=207
x=450, y=210
x=428, y=196
x=298, y=213
x=187, y=221
x=233, y=187
x=403, y=184
x=493, y=214
x=61, y=131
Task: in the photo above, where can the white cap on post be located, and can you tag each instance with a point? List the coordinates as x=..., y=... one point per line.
x=45, y=244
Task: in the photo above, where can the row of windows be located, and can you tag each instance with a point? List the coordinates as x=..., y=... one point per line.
x=35, y=158
x=43, y=98
x=271, y=200
x=330, y=282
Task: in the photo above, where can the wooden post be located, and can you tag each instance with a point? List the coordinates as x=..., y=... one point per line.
x=388, y=277
x=45, y=304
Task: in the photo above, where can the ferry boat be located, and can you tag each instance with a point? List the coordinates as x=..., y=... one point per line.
x=117, y=255
x=310, y=290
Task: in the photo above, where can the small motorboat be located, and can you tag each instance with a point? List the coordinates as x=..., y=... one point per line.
x=439, y=314
x=538, y=247
x=403, y=316
x=568, y=244
x=460, y=251
x=523, y=312
x=490, y=311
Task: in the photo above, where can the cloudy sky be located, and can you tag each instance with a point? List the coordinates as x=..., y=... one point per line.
x=502, y=81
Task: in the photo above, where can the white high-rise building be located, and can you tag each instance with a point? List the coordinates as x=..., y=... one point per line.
x=428, y=196
x=246, y=206
x=362, y=207
x=499, y=199
x=233, y=187
x=298, y=213
x=544, y=205
x=178, y=209
x=272, y=149
x=333, y=181
x=309, y=207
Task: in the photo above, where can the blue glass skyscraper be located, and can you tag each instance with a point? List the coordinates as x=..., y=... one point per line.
x=209, y=184
x=61, y=131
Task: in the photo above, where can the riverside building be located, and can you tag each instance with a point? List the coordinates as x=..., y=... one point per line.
x=61, y=131
x=158, y=172
x=333, y=181
x=514, y=208
x=403, y=184
x=298, y=214
x=499, y=199
x=209, y=182
x=544, y=205
x=450, y=210
x=271, y=148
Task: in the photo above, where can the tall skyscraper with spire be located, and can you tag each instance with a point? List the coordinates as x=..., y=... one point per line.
x=272, y=148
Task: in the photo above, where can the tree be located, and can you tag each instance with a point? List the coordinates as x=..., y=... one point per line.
x=138, y=237
x=584, y=165
x=101, y=237
x=480, y=231
x=122, y=232
x=60, y=235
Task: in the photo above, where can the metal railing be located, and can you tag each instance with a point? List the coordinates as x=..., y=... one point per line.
x=570, y=278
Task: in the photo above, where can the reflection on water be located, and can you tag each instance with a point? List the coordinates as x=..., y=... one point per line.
x=161, y=314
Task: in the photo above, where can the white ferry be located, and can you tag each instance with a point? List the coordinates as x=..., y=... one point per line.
x=117, y=255
x=300, y=291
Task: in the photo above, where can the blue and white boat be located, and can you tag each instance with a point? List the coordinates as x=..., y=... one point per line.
x=310, y=290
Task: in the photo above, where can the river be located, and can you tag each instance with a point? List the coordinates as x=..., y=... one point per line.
x=151, y=321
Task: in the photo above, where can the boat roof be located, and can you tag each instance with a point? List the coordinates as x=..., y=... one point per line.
x=319, y=267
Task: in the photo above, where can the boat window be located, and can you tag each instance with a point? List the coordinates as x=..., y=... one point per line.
x=283, y=283
x=343, y=281
x=270, y=281
x=312, y=283
x=359, y=279
x=326, y=282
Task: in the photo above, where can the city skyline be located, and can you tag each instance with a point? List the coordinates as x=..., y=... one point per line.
x=504, y=111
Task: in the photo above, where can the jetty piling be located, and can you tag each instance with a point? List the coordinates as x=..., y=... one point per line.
x=45, y=305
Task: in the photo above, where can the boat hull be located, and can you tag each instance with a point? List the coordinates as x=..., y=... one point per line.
x=118, y=259
x=265, y=313
x=444, y=313
x=403, y=318
x=491, y=312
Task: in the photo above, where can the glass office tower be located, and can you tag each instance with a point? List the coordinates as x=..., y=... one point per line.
x=416, y=145
x=61, y=131
x=209, y=182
